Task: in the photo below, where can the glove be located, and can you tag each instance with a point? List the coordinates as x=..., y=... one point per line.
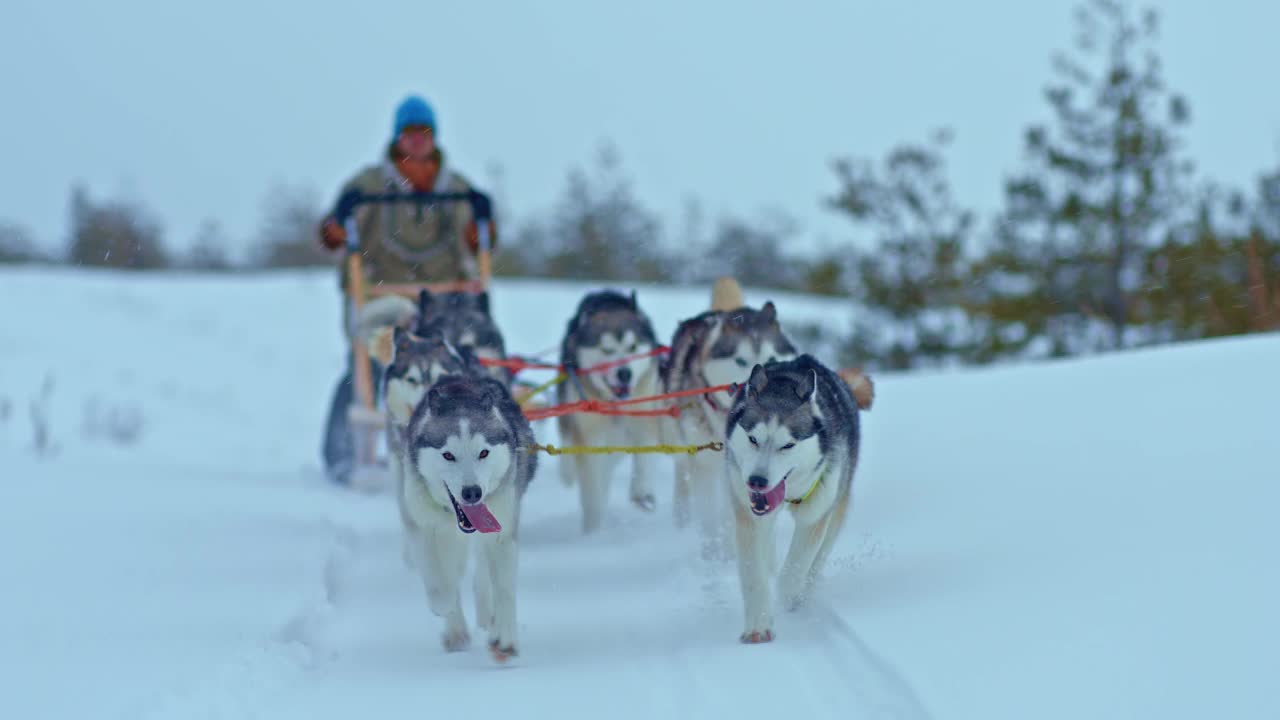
x=332, y=235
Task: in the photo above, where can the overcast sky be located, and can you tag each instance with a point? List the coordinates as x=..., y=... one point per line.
x=197, y=108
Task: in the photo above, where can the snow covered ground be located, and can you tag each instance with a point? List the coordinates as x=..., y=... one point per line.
x=1083, y=539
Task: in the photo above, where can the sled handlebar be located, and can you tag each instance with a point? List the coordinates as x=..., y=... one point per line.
x=481, y=208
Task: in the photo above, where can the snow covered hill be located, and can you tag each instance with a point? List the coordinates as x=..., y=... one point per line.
x=1083, y=539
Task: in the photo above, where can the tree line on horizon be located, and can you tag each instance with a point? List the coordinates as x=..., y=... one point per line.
x=1106, y=237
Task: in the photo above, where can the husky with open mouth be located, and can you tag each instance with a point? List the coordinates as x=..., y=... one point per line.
x=413, y=364
x=469, y=458
x=717, y=347
x=792, y=441
x=609, y=328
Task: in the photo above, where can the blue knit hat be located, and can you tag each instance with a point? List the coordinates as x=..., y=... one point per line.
x=413, y=110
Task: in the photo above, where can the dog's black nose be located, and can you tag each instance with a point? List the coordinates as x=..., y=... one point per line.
x=624, y=375
x=471, y=494
x=758, y=482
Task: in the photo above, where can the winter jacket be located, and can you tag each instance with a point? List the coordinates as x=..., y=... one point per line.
x=405, y=242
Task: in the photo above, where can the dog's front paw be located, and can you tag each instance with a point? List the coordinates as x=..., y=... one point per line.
x=792, y=603
x=456, y=640
x=646, y=503
x=792, y=598
x=501, y=653
x=755, y=637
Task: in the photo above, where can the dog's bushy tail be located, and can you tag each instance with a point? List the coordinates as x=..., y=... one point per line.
x=864, y=390
x=726, y=295
x=386, y=311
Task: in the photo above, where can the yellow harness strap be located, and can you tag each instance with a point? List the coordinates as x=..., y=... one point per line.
x=816, y=483
x=543, y=387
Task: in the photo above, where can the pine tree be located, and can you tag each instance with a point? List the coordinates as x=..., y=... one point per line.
x=915, y=278
x=1103, y=183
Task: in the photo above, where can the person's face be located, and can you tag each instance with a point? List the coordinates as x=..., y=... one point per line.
x=417, y=141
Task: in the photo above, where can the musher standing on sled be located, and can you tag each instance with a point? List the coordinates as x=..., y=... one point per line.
x=400, y=242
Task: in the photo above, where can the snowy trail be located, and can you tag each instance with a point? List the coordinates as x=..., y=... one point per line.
x=631, y=623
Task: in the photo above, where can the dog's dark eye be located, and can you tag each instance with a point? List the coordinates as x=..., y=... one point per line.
x=788, y=446
x=631, y=349
x=742, y=362
x=752, y=439
x=411, y=380
x=484, y=453
x=771, y=359
x=449, y=456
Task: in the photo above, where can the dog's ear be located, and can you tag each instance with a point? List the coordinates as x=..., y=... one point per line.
x=807, y=384
x=635, y=303
x=770, y=313
x=757, y=382
x=402, y=338
x=482, y=302
x=424, y=302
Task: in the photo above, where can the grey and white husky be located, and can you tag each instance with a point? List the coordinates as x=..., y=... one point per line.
x=608, y=326
x=462, y=319
x=792, y=440
x=413, y=364
x=469, y=460
x=717, y=347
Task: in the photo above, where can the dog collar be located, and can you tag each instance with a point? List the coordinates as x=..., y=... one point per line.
x=821, y=476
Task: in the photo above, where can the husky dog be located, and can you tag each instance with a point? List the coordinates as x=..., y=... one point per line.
x=461, y=319
x=608, y=326
x=413, y=364
x=717, y=347
x=464, y=320
x=792, y=440
x=469, y=461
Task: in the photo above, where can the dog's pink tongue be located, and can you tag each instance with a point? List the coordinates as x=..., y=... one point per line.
x=480, y=518
x=773, y=499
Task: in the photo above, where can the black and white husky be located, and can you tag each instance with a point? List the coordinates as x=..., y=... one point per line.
x=463, y=320
x=469, y=460
x=792, y=441
x=413, y=364
x=608, y=326
x=717, y=347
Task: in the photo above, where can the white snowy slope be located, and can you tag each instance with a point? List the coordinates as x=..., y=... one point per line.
x=1093, y=538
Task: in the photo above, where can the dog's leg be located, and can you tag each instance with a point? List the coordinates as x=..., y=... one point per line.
x=483, y=586
x=568, y=465
x=445, y=552
x=411, y=543
x=593, y=488
x=838, y=515
x=754, y=534
x=681, y=499
x=707, y=485
x=647, y=466
x=793, y=584
x=670, y=433
x=499, y=553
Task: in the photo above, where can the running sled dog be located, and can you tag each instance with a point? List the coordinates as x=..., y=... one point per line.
x=459, y=447
x=608, y=326
x=714, y=348
x=469, y=461
x=792, y=441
